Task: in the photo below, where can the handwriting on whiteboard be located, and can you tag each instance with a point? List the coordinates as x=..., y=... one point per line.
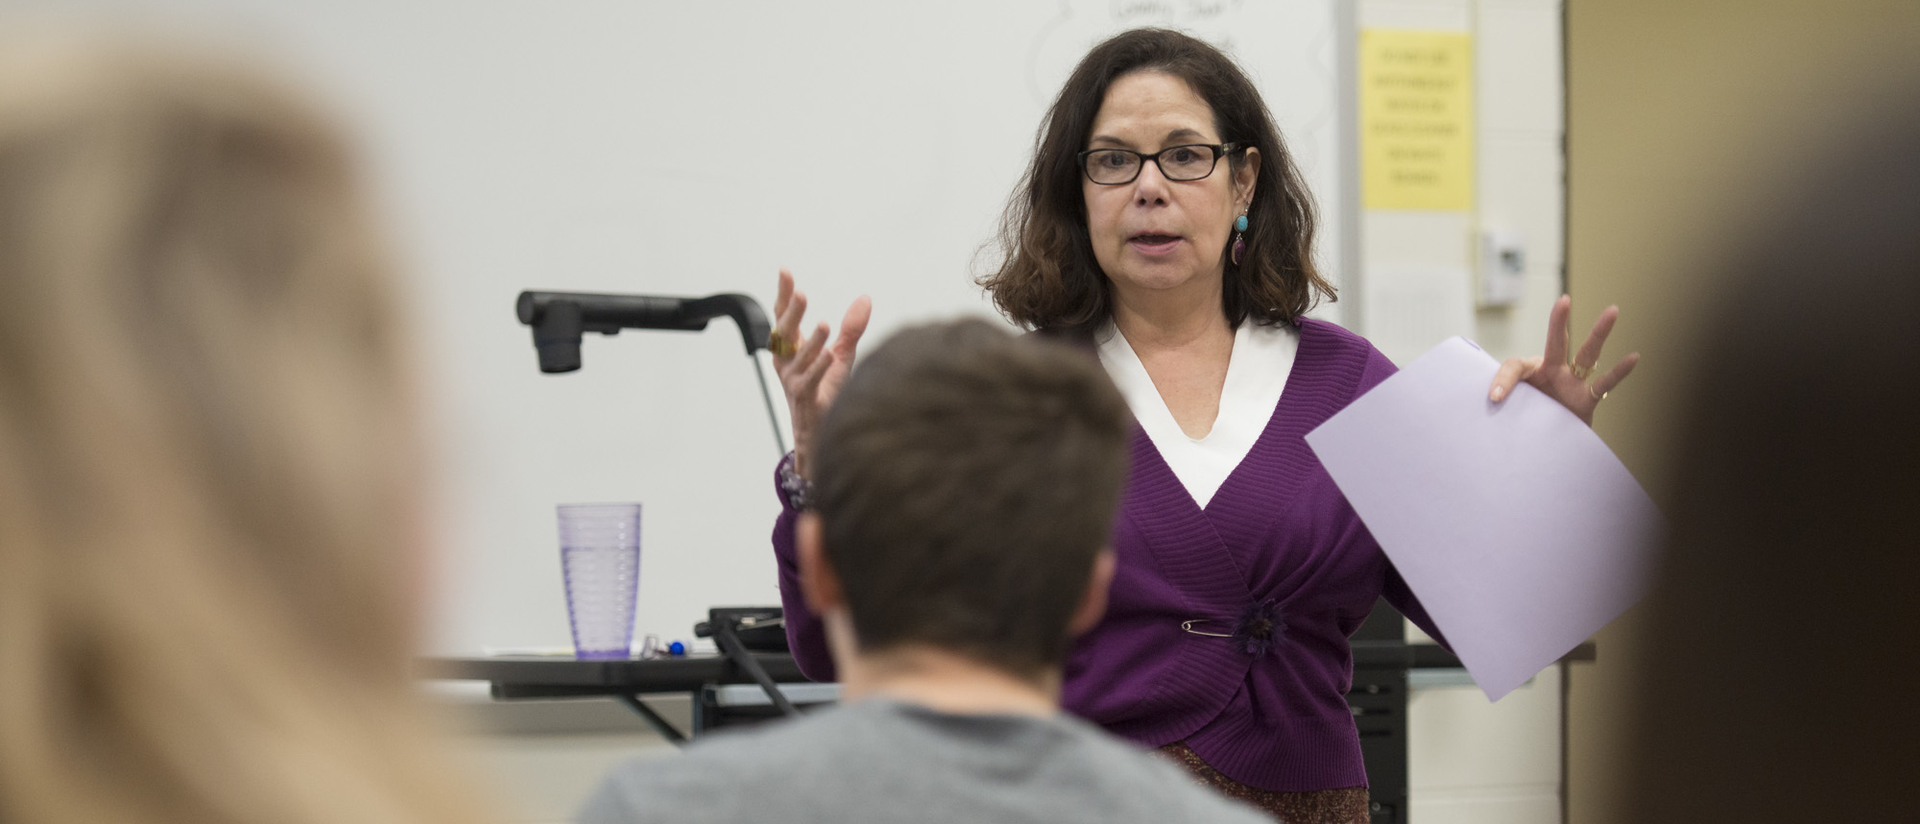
x=1079, y=24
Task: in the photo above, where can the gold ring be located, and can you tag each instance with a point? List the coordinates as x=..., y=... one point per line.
x=779, y=345
x=1597, y=397
x=1581, y=372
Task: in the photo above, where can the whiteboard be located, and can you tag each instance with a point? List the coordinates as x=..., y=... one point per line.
x=686, y=149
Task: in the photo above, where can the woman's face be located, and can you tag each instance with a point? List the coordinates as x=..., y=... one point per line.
x=1154, y=234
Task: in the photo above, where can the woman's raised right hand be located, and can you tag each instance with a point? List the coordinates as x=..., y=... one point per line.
x=812, y=373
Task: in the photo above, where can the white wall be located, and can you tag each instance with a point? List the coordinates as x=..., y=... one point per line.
x=686, y=149
x=1470, y=760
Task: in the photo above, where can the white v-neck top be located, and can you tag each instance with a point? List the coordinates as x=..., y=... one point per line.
x=1257, y=373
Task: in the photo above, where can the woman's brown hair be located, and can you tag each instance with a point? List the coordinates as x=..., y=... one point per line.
x=1049, y=279
x=209, y=497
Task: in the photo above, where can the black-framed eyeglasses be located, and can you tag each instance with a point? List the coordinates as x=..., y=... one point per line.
x=1191, y=161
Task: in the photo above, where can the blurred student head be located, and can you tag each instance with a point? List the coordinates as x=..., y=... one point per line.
x=1779, y=684
x=965, y=484
x=208, y=515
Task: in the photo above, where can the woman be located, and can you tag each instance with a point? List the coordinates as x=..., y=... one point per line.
x=210, y=519
x=1164, y=225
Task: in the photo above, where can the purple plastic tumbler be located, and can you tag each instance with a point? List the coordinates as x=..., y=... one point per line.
x=600, y=558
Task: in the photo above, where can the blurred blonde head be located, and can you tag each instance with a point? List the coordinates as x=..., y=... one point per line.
x=208, y=514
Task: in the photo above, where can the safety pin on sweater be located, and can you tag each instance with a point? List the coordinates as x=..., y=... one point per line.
x=1187, y=626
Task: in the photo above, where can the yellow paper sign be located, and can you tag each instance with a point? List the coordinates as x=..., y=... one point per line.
x=1416, y=119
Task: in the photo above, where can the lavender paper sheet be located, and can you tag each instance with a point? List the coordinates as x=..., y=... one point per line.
x=1516, y=526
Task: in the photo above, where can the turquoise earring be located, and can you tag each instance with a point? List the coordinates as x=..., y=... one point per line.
x=1239, y=237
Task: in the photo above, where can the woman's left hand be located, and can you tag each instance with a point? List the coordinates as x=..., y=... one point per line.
x=1563, y=380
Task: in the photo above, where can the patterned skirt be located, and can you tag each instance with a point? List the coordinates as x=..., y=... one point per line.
x=1346, y=805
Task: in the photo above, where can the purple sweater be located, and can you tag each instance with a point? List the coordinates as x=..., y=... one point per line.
x=1278, y=533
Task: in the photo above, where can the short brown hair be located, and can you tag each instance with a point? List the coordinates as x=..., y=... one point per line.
x=966, y=480
x=1049, y=279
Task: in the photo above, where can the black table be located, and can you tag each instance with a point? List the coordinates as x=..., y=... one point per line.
x=1378, y=698
x=553, y=676
x=518, y=677
x=550, y=676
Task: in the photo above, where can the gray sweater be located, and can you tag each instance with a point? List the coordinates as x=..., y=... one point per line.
x=885, y=761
